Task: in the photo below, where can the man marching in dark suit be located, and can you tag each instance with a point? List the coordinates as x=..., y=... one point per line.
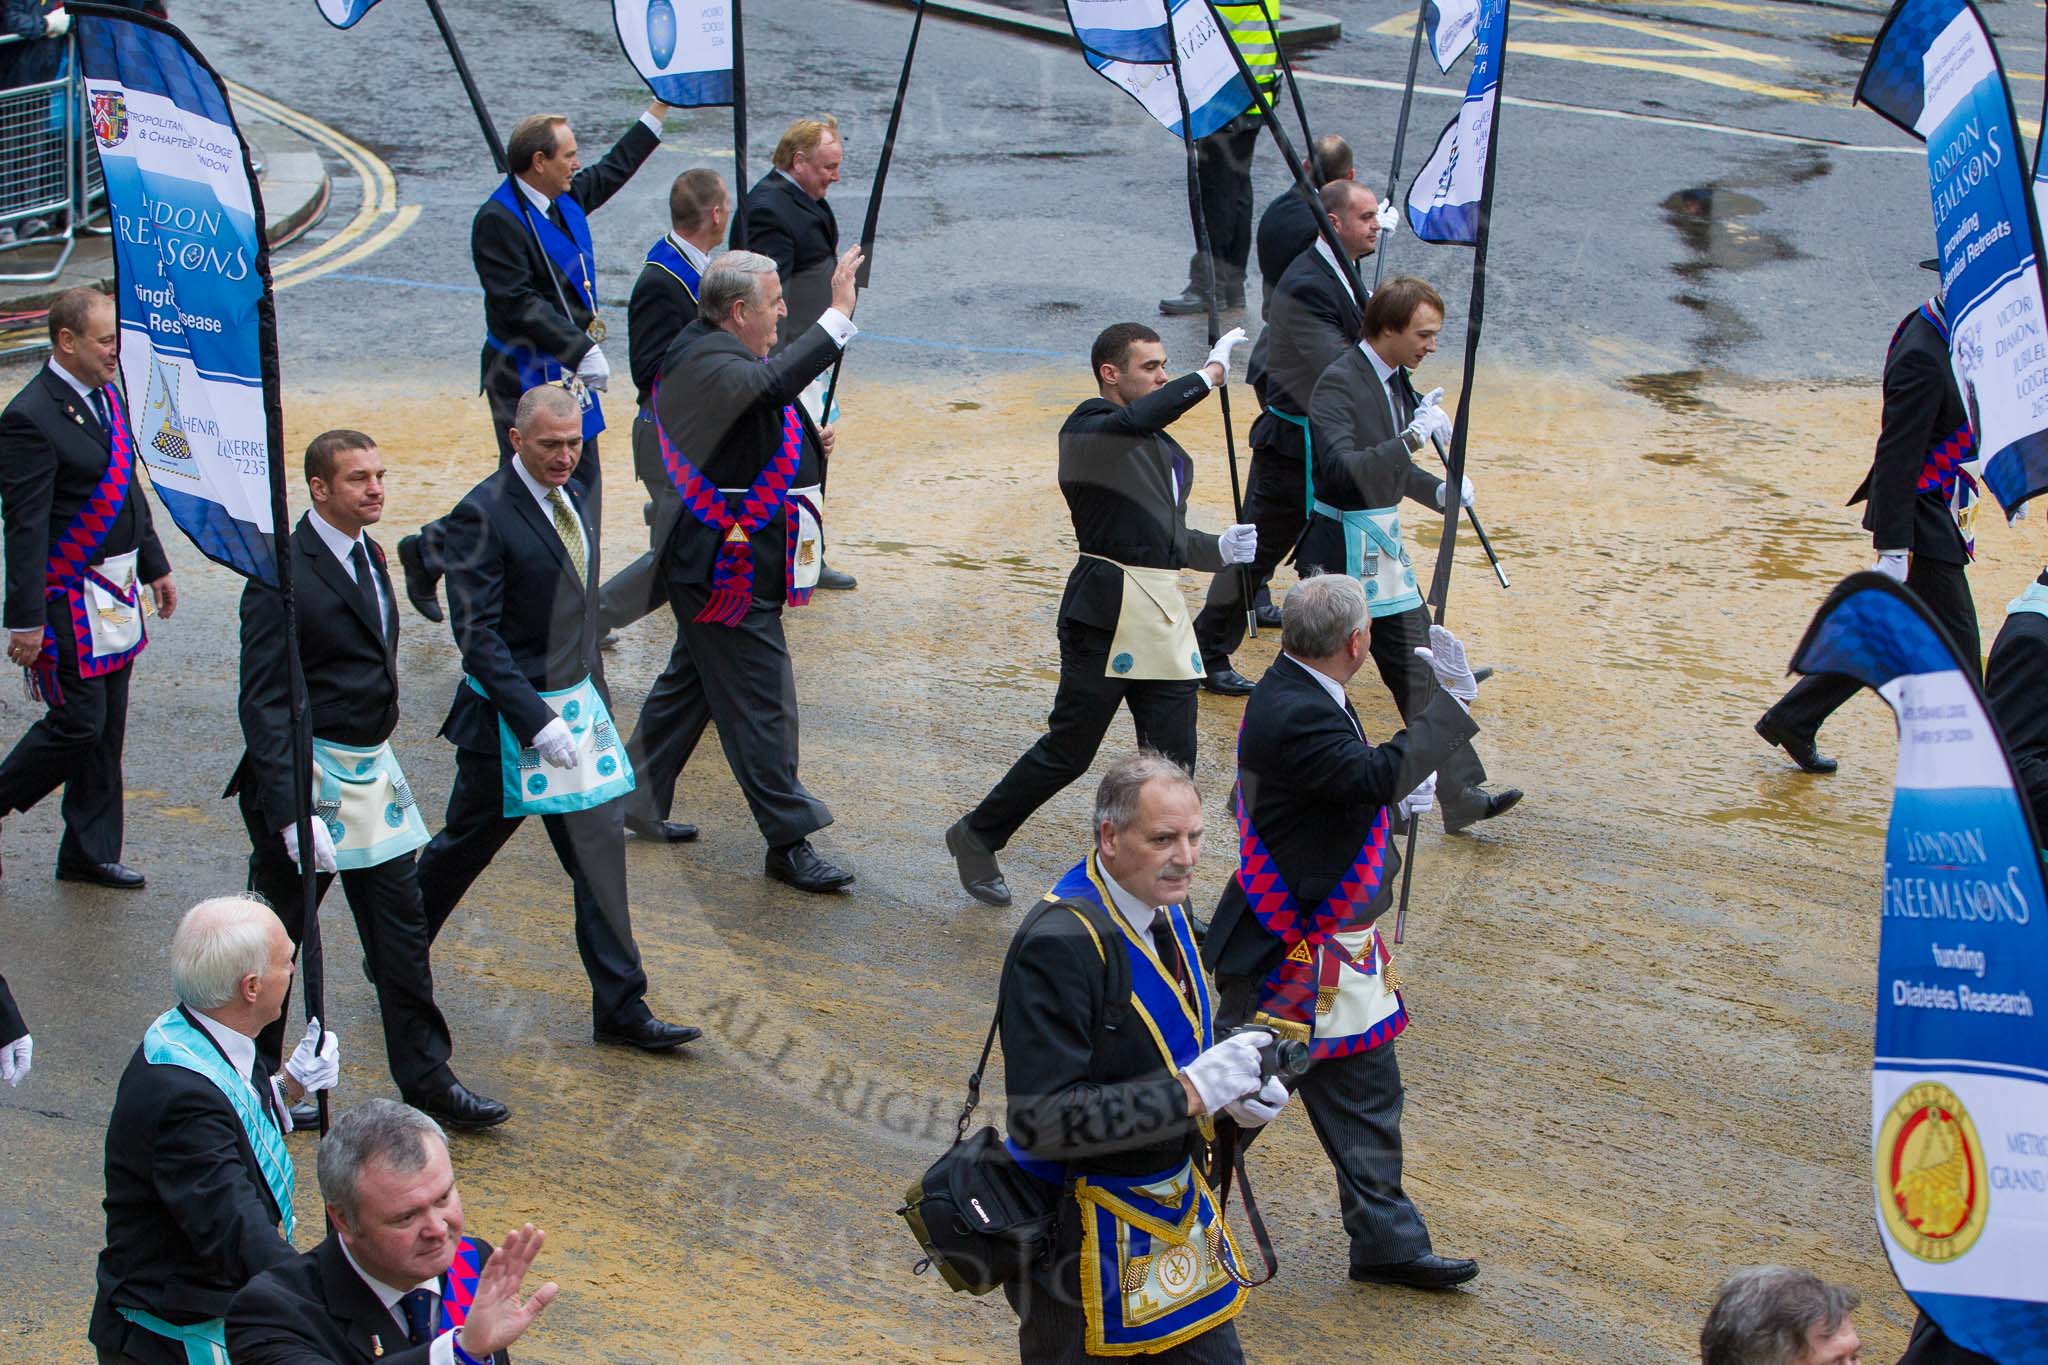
x=742, y=540
x=531, y=722
x=1125, y=635
x=789, y=222
x=1921, y=508
x=1287, y=227
x=1318, y=807
x=199, y=1180
x=396, y=1282
x=1313, y=318
x=79, y=545
x=348, y=650
x=531, y=245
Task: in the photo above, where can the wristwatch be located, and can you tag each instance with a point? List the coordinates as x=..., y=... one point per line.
x=1412, y=439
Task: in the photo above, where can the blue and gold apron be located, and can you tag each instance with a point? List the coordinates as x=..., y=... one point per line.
x=368, y=805
x=1158, y=1264
x=173, y=1041
x=602, y=773
x=576, y=258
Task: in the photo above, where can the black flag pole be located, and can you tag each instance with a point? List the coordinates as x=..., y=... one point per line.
x=1472, y=516
x=1454, y=475
x=1209, y=284
x=874, y=218
x=483, y=118
x=739, y=131
x=1287, y=73
x=1401, y=144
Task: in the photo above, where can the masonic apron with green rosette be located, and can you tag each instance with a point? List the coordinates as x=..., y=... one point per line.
x=1155, y=633
x=368, y=805
x=1158, y=1264
x=602, y=773
x=173, y=1041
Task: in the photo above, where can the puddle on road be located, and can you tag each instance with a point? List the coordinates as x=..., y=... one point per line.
x=1708, y=219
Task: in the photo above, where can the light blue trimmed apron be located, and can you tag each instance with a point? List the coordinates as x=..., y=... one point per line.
x=367, y=804
x=603, y=772
x=1374, y=555
x=1308, y=456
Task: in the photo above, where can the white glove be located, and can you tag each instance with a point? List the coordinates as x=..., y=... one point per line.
x=1238, y=544
x=594, y=370
x=316, y=1062
x=1255, y=1111
x=1892, y=564
x=1464, y=491
x=1220, y=353
x=556, y=745
x=56, y=25
x=1390, y=217
x=1422, y=800
x=1228, y=1071
x=14, y=1058
x=323, y=845
x=1429, y=423
x=1446, y=658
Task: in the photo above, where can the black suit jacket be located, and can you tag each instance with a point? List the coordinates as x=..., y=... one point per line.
x=1921, y=406
x=1313, y=320
x=2016, y=685
x=350, y=662
x=801, y=236
x=1117, y=472
x=524, y=622
x=12, y=1025
x=1286, y=229
x=520, y=302
x=1360, y=457
x=189, y=1217
x=660, y=307
x=315, y=1310
x=722, y=407
x=1313, y=788
x=53, y=454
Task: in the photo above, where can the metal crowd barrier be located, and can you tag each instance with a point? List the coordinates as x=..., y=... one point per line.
x=50, y=183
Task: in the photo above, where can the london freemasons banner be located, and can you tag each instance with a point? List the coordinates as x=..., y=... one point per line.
x=1216, y=93
x=683, y=49
x=1444, y=198
x=1959, y=1071
x=192, y=283
x=1452, y=26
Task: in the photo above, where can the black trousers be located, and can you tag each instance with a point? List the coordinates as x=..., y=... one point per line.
x=434, y=535
x=1354, y=1104
x=740, y=678
x=1945, y=588
x=1275, y=501
x=638, y=589
x=1163, y=711
x=1052, y=1326
x=76, y=745
x=391, y=919
x=1394, y=642
x=1225, y=161
x=591, y=846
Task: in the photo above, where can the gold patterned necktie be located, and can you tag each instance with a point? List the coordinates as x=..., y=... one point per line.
x=569, y=530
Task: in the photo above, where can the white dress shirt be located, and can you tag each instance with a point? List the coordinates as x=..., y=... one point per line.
x=1330, y=260
x=343, y=549
x=544, y=495
x=442, y=1352
x=1135, y=912
x=700, y=261
x=71, y=380
x=1386, y=373
x=241, y=1051
x=1331, y=686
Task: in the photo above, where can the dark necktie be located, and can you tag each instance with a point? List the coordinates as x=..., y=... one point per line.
x=555, y=215
x=265, y=1095
x=418, y=1307
x=1168, y=951
x=1404, y=402
x=99, y=410
x=366, y=584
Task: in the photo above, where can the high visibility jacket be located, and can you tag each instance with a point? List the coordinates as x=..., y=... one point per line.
x=1247, y=28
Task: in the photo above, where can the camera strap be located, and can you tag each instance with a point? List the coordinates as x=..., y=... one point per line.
x=1227, y=1160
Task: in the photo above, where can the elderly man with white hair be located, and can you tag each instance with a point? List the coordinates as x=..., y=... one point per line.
x=199, y=1182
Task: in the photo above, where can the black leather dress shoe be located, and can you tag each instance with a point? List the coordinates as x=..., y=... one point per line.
x=609, y=641
x=1458, y=820
x=980, y=877
x=1424, y=1272
x=456, y=1106
x=649, y=1034
x=119, y=876
x=662, y=831
x=1227, y=682
x=305, y=1117
x=1233, y=295
x=1186, y=304
x=1268, y=616
x=804, y=868
x=419, y=584
x=1800, y=748
x=835, y=580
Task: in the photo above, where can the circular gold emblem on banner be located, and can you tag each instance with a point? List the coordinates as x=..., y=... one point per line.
x=1931, y=1186
x=1178, y=1270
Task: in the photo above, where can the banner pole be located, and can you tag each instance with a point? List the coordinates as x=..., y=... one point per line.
x=1472, y=516
x=739, y=131
x=1400, y=144
x=1204, y=245
x=1287, y=71
x=476, y=102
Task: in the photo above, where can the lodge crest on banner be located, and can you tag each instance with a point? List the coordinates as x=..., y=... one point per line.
x=1930, y=1174
x=109, y=117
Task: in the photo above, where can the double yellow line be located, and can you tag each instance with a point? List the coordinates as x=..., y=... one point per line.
x=379, y=220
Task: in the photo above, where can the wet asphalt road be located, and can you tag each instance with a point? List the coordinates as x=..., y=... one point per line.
x=1691, y=214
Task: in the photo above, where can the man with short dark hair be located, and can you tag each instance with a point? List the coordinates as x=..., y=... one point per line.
x=1125, y=635
x=80, y=547
x=365, y=822
x=395, y=1282
x=1315, y=315
x=1776, y=1315
x=531, y=244
x=531, y=721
